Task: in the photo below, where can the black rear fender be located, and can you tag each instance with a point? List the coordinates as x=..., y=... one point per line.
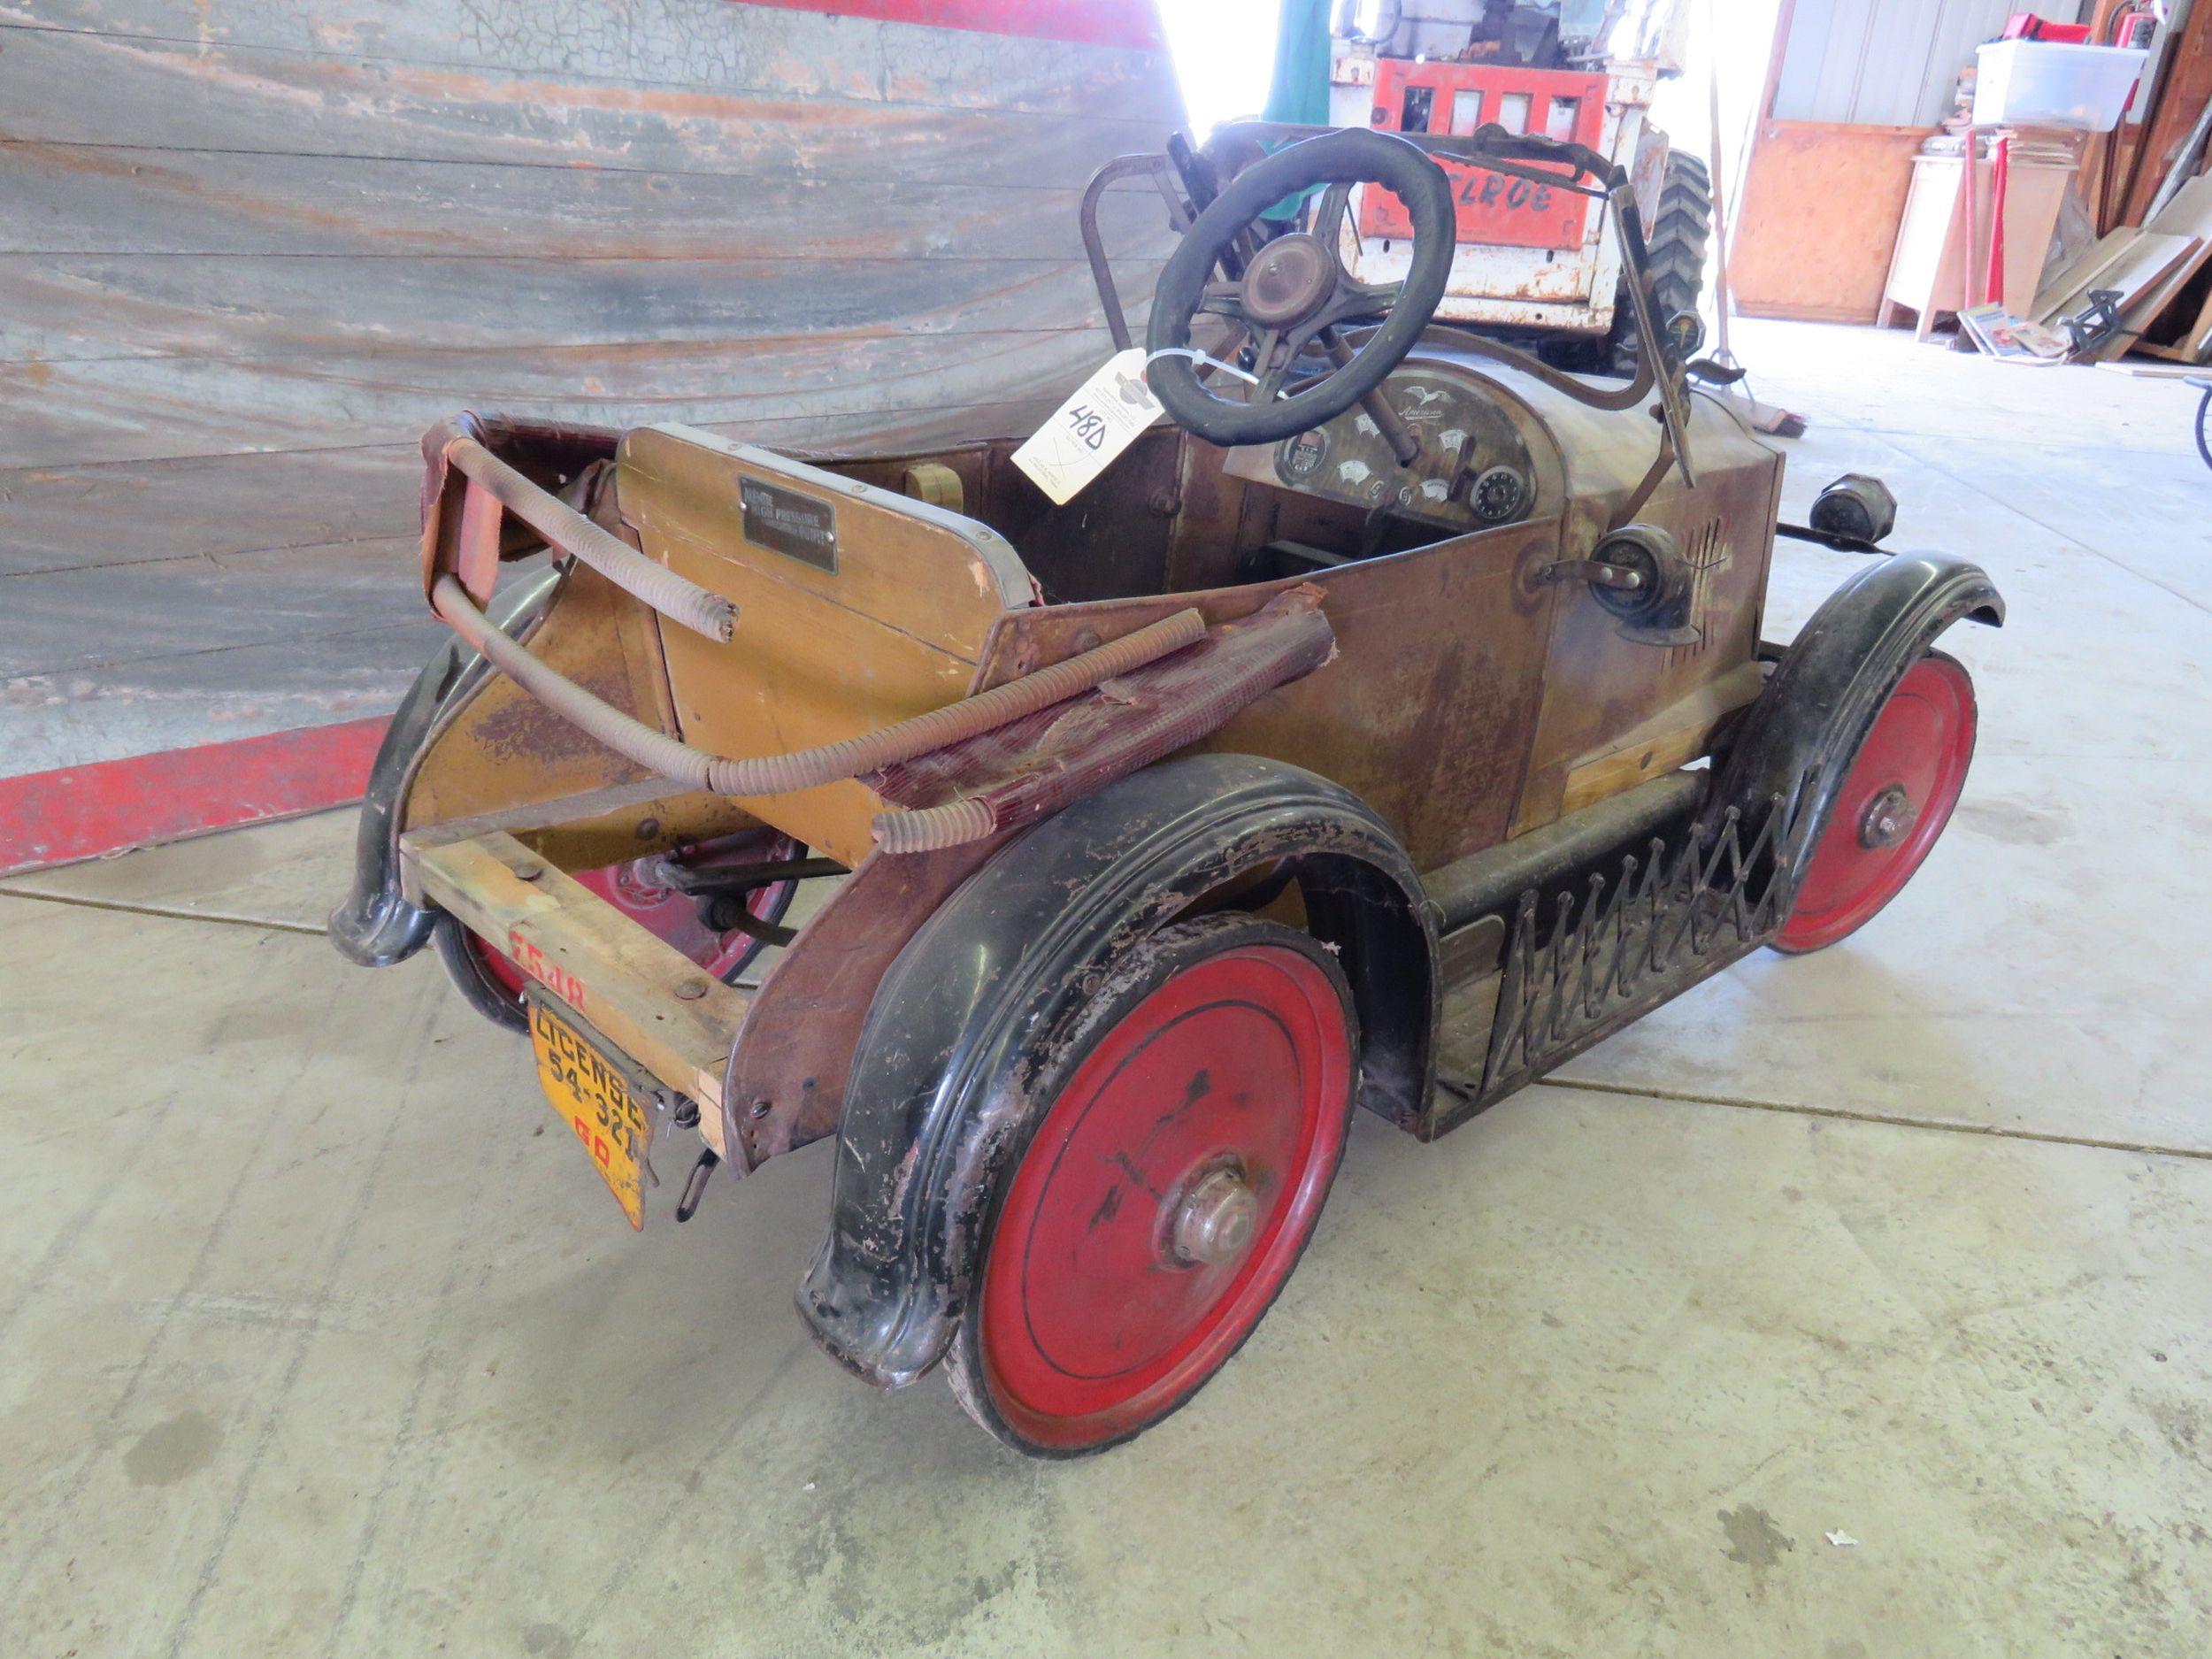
x=375, y=925
x=937, y=1110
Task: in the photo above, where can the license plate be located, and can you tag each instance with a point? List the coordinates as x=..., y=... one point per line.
x=610, y=1115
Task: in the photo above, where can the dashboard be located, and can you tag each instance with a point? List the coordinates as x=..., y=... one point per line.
x=1473, y=472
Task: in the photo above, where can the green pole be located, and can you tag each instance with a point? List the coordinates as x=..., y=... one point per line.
x=1298, y=93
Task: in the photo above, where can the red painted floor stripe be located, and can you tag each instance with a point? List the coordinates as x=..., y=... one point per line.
x=72, y=812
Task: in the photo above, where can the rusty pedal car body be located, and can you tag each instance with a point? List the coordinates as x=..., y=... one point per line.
x=1388, y=726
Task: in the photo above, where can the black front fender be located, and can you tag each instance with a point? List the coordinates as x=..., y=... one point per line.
x=375, y=925
x=937, y=1107
x=1796, y=743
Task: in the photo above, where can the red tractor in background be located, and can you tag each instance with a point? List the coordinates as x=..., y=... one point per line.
x=1538, y=267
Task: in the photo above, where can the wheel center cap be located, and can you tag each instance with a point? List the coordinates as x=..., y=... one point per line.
x=1889, y=817
x=1212, y=1223
x=1289, y=281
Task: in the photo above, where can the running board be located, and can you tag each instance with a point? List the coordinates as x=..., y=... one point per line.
x=1578, y=954
x=1472, y=893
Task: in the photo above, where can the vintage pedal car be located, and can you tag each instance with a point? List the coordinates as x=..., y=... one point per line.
x=1387, y=727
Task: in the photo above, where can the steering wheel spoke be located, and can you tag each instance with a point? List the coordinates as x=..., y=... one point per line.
x=1271, y=362
x=1328, y=216
x=1379, y=295
x=1221, y=299
x=1275, y=360
x=1359, y=301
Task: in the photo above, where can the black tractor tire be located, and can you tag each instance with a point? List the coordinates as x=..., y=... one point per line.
x=1676, y=240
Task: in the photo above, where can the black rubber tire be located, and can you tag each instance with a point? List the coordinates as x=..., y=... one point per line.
x=1677, y=241
x=1154, y=960
x=466, y=968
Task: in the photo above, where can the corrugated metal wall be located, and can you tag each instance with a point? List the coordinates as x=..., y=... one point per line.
x=1888, y=63
x=250, y=250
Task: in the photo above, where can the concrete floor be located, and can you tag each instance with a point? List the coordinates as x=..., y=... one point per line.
x=1850, y=1307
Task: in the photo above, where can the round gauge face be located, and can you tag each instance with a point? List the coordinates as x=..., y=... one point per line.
x=1471, y=464
x=1500, y=493
x=1300, y=457
x=1686, y=336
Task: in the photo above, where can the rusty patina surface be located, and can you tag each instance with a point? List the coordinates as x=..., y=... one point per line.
x=504, y=748
x=1425, y=711
x=788, y=1070
x=1035, y=766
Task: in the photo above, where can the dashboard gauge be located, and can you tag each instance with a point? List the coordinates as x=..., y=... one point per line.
x=1500, y=494
x=1301, y=457
x=1686, y=336
x=1466, y=431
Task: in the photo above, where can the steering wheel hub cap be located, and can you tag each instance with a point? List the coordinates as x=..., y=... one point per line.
x=1289, y=281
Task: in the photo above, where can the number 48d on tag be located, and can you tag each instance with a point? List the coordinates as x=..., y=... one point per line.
x=1091, y=428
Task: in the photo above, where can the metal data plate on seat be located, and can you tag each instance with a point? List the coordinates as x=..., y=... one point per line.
x=610, y=1105
x=862, y=608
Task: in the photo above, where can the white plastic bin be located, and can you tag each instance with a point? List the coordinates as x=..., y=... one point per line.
x=2046, y=83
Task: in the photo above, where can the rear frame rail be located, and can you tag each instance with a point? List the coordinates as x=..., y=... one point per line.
x=645, y=996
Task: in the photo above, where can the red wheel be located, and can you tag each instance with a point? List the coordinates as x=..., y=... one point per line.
x=494, y=984
x=1195, y=1124
x=1903, y=783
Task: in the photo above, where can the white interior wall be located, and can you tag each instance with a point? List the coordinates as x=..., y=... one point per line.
x=1889, y=63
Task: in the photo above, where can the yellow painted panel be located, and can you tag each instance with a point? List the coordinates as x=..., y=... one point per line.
x=894, y=631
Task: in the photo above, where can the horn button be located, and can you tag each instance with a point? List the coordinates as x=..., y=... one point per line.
x=1289, y=281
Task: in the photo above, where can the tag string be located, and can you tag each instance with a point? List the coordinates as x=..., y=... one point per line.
x=1198, y=356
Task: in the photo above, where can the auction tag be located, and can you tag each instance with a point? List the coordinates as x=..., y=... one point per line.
x=1091, y=428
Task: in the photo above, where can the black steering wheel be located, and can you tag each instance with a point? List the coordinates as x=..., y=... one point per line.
x=1294, y=291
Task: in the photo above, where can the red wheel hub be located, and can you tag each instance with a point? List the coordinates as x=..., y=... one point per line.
x=636, y=889
x=1167, y=1196
x=1899, y=796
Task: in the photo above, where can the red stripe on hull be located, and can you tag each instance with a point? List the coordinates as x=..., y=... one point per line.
x=73, y=813
x=1130, y=23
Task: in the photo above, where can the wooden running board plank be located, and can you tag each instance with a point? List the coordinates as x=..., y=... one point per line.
x=616, y=974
